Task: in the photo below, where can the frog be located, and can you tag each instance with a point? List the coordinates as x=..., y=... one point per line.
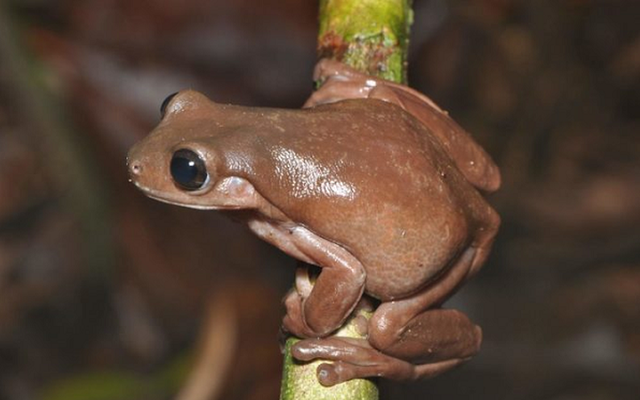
x=370, y=182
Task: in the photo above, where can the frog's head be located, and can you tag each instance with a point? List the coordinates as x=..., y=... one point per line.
x=177, y=162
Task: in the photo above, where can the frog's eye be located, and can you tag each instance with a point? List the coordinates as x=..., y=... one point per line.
x=165, y=103
x=188, y=170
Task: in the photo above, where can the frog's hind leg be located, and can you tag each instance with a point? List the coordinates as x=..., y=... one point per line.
x=355, y=358
x=407, y=339
x=417, y=330
x=433, y=343
x=410, y=338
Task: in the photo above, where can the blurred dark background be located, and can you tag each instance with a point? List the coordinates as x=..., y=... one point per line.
x=104, y=293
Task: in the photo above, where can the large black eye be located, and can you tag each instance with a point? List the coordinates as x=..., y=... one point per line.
x=188, y=170
x=165, y=103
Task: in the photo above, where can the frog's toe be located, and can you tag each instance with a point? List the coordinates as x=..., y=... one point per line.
x=335, y=349
x=293, y=322
x=335, y=373
x=330, y=374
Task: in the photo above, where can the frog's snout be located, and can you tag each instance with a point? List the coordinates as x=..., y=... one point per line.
x=134, y=165
x=139, y=169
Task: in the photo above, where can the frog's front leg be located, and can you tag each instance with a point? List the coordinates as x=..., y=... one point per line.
x=335, y=293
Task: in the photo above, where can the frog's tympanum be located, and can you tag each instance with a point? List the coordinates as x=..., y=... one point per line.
x=371, y=182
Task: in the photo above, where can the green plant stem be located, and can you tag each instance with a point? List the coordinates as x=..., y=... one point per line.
x=299, y=381
x=371, y=36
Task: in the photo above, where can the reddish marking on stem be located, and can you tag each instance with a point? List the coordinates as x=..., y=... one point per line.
x=332, y=45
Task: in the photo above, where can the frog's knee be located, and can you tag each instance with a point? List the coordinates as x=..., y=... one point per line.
x=383, y=331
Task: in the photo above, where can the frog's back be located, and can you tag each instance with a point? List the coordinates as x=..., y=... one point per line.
x=368, y=176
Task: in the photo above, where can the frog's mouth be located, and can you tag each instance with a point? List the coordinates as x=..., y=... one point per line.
x=168, y=199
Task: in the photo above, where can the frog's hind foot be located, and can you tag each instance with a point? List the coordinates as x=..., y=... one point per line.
x=356, y=358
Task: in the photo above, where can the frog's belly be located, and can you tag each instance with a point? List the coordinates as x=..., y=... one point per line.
x=400, y=265
x=387, y=280
x=398, y=283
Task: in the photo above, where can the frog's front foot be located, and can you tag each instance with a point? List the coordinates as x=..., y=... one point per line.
x=356, y=358
x=293, y=321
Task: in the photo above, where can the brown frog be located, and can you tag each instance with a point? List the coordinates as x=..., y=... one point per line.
x=371, y=182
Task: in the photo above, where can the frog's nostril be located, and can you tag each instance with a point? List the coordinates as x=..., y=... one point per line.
x=135, y=168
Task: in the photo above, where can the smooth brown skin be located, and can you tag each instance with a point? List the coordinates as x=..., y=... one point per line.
x=378, y=188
